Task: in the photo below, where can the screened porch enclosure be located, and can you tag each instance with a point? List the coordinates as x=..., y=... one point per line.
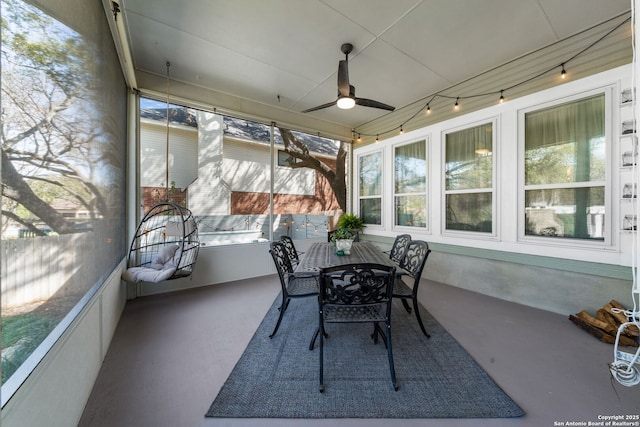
x=230, y=175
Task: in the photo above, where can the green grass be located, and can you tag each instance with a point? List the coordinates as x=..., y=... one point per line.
x=21, y=335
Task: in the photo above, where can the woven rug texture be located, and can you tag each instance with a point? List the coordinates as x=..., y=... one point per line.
x=279, y=377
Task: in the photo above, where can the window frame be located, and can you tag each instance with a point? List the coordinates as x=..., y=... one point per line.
x=493, y=190
x=426, y=194
x=281, y=159
x=359, y=197
x=610, y=211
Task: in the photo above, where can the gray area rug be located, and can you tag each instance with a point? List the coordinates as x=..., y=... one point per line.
x=278, y=378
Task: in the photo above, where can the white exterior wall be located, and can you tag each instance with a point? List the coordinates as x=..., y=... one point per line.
x=223, y=165
x=247, y=168
x=210, y=194
x=509, y=216
x=183, y=154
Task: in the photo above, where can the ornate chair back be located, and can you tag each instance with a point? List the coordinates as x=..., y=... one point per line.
x=414, y=260
x=287, y=241
x=399, y=247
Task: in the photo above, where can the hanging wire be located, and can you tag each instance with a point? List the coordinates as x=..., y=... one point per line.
x=501, y=91
x=166, y=182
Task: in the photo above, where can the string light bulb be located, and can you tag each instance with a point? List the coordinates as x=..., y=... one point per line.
x=563, y=73
x=428, y=109
x=377, y=138
x=359, y=138
x=456, y=105
x=401, y=129
x=501, y=96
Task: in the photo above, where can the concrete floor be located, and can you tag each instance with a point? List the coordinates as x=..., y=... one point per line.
x=172, y=353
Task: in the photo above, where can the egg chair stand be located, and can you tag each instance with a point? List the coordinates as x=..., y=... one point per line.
x=165, y=245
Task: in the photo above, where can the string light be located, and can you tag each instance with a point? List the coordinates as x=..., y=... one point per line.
x=401, y=130
x=563, y=75
x=305, y=226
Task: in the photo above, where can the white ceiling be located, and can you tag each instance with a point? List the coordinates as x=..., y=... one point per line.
x=285, y=53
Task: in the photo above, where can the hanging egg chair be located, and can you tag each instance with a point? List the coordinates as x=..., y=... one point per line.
x=165, y=245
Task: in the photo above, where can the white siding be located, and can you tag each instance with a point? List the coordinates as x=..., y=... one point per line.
x=247, y=168
x=210, y=195
x=183, y=155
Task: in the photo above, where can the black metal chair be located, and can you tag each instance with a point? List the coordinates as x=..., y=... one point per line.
x=413, y=262
x=294, y=257
x=399, y=247
x=356, y=293
x=330, y=235
x=292, y=286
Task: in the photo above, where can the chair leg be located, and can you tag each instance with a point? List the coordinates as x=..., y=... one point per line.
x=321, y=360
x=374, y=334
x=406, y=305
x=312, y=344
x=313, y=339
x=377, y=331
x=283, y=308
x=392, y=368
x=415, y=308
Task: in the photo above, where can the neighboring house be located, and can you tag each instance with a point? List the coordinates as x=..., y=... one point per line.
x=224, y=164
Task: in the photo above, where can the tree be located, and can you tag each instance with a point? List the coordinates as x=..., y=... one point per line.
x=300, y=157
x=47, y=132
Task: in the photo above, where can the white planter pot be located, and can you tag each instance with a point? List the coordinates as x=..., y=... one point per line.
x=344, y=246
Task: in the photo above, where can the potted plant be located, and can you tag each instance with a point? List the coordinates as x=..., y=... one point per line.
x=343, y=239
x=351, y=222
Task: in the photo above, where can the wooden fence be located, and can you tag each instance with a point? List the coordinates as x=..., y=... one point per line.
x=40, y=268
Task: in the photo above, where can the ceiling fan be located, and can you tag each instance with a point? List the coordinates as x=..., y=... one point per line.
x=346, y=92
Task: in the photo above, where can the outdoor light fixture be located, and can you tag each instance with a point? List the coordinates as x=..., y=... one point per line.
x=346, y=102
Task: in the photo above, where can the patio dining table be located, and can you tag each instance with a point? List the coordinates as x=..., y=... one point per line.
x=323, y=254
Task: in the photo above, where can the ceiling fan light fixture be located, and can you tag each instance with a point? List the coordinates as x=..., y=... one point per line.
x=346, y=102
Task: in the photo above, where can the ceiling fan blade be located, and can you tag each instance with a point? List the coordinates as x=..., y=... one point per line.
x=343, y=78
x=374, y=104
x=320, y=107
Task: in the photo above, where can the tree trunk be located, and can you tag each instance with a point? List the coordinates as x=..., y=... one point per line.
x=15, y=188
x=298, y=151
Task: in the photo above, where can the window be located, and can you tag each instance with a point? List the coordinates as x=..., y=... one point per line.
x=469, y=179
x=63, y=192
x=565, y=170
x=303, y=195
x=410, y=184
x=237, y=172
x=370, y=189
x=284, y=158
